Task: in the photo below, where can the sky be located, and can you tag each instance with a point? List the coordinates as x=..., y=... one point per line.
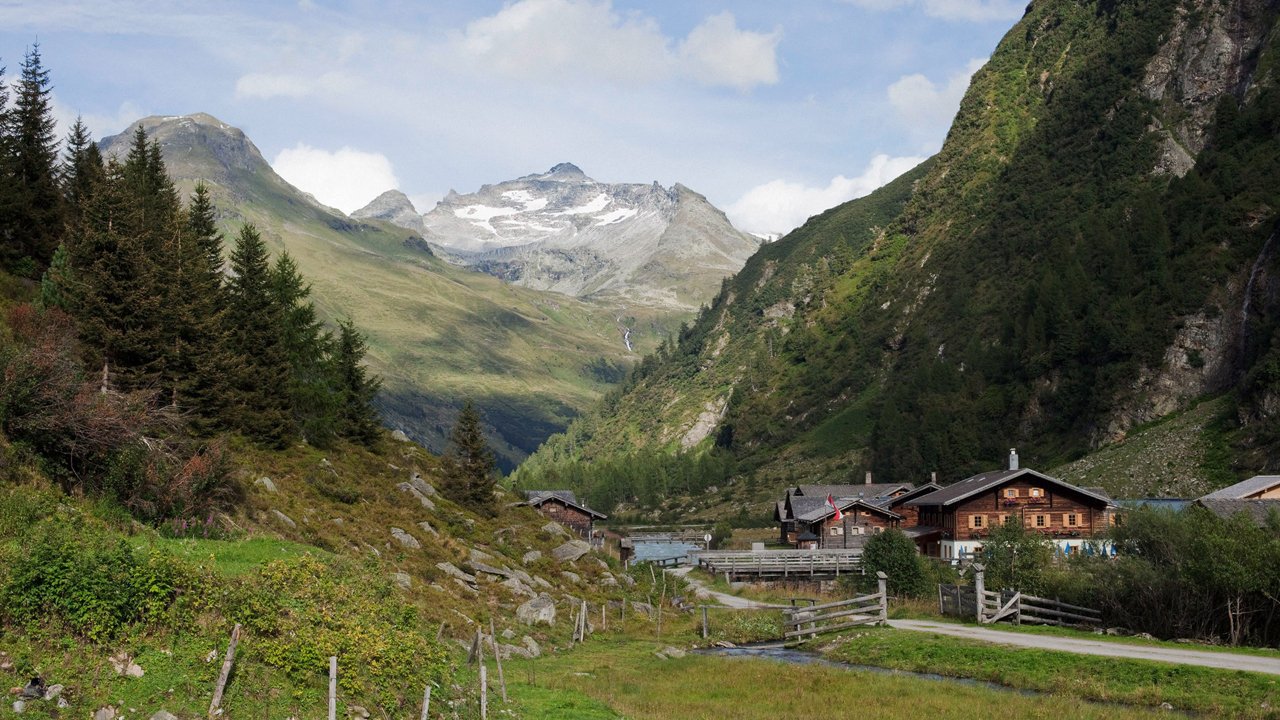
x=773, y=109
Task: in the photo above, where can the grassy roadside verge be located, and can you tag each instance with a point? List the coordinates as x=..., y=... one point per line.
x=619, y=677
x=1218, y=693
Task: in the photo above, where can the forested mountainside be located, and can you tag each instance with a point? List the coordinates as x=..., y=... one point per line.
x=1092, y=249
x=438, y=334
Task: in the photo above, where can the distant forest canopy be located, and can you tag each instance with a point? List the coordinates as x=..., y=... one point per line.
x=143, y=347
x=1022, y=288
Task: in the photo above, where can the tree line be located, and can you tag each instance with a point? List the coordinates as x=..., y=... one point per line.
x=141, y=320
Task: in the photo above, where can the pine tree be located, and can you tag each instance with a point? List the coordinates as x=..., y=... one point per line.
x=35, y=224
x=470, y=471
x=200, y=361
x=258, y=403
x=82, y=167
x=314, y=397
x=359, y=419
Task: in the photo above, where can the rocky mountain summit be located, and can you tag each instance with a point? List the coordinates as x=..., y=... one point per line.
x=394, y=207
x=565, y=232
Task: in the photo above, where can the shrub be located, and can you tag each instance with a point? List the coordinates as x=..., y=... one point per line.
x=894, y=554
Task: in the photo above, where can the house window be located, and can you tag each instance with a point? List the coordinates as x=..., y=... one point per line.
x=976, y=521
x=1011, y=492
x=1073, y=520
x=837, y=530
x=1004, y=518
x=1037, y=492
x=1042, y=521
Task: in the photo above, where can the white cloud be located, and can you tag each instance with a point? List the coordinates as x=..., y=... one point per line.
x=264, y=86
x=929, y=107
x=346, y=179
x=958, y=10
x=718, y=53
x=780, y=206
x=561, y=40
x=100, y=124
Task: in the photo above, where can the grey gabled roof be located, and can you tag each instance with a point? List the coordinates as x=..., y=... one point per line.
x=969, y=487
x=1256, y=510
x=824, y=511
x=910, y=494
x=1245, y=488
x=535, y=498
x=864, y=490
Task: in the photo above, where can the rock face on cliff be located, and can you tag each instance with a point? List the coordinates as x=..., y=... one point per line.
x=1096, y=246
x=665, y=248
x=394, y=207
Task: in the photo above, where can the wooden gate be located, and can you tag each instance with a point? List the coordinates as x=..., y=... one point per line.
x=987, y=607
x=815, y=620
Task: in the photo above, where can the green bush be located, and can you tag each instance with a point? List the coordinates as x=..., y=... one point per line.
x=94, y=583
x=894, y=554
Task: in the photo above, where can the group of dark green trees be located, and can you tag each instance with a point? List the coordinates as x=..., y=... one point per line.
x=156, y=313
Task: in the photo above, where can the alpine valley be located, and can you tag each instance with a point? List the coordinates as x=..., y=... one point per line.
x=1092, y=253
x=533, y=352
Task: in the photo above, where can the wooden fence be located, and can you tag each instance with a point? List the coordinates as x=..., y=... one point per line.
x=989, y=607
x=781, y=564
x=815, y=620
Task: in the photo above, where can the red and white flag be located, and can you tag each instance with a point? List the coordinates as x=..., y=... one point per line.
x=832, y=502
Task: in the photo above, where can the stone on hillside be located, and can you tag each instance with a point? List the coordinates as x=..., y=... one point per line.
x=541, y=609
x=508, y=633
x=572, y=577
x=540, y=582
x=463, y=584
x=659, y=654
x=554, y=528
x=19, y=707
x=531, y=556
x=643, y=608
x=358, y=711
x=571, y=551
x=284, y=518
x=421, y=485
x=53, y=692
x=105, y=713
x=417, y=494
x=6, y=662
x=399, y=436
x=405, y=539
x=628, y=581
x=163, y=714
x=265, y=483
x=519, y=588
x=336, y=521
x=452, y=570
x=124, y=665
x=531, y=645
x=402, y=579
x=491, y=570
x=673, y=652
x=426, y=528
x=609, y=580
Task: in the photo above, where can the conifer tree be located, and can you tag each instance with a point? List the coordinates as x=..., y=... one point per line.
x=82, y=167
x=470, y=471
x=313, y=395
x=258, y=403
x=359, y=419
x=35, y=223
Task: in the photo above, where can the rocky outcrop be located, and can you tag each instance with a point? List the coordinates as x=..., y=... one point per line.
x=1211, y=50
x=394, y=207
x=539, y=610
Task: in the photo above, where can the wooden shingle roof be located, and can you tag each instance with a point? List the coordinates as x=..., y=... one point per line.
x=983, y=482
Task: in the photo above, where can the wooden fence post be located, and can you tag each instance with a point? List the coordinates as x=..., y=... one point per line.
x=226, y=671
x=979, y=587
x=484, y=692
x=497, y=658
x=583, y=616
x=333, y=687
x=882, y=581
x=704, y=622
x=940, y=608
x=426, y=701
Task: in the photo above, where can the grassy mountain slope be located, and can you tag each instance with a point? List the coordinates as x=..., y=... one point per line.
x=1050, y=282
x=438, y=334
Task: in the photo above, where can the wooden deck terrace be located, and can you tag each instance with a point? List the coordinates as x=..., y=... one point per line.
x=781, y=564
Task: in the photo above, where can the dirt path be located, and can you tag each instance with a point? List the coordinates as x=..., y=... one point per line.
x=1225, y=661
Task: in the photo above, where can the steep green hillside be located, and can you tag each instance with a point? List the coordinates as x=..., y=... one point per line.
x=438, y=334
x=1090, y=250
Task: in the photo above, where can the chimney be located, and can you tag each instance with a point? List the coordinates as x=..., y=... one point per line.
x=933, y=476
x=868, y=477
x=1013, y=458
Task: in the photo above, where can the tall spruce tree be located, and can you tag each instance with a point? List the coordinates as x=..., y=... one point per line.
x=359, y=420
x=470, y=471
x=258, y=400
x=35, y=224
x=82, y=167
x=313, y=394
x=200, y=361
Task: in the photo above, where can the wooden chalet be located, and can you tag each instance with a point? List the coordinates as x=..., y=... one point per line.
x=953, y=522
x=863, y=507
x=1258, y=497
x=563, y=507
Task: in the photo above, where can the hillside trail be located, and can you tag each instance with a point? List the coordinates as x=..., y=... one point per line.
x=1079, y=646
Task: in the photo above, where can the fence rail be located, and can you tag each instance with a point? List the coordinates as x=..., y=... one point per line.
x=987, y=607
x=781, y=564
x=815, y=620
